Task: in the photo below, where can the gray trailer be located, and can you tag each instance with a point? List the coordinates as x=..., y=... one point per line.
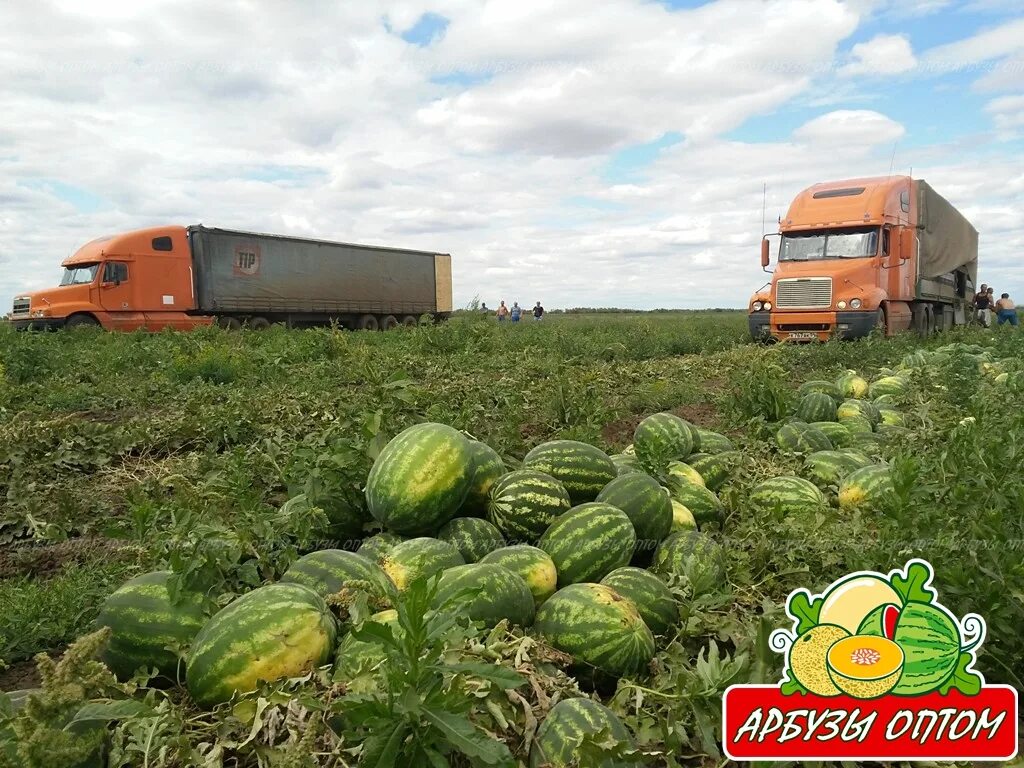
x=257, y=279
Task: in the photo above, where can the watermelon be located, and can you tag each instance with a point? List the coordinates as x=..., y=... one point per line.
x=829, y=388
x=868, y=488
x=856, y=425
x=485, y=592
x=357, y=662
x=661, y=438
x=914, y=360
x=378, y=545
x=273, y=632
x=583, y=469
x=651, y=596
x=852, y=385
x=694, y=557
x=344, y=521
x=646, y=504
x=419, y=558
x=891, y=417
x=712, y=442
x=626, y=464
x=145, y=622
x=629, y=450
x=800, y=437
x=702, y=503
x=597, y=626
x=588, y=542
x=580, y=727
x=828, y=468
x=887, y=385
x=472, y=536
x=787, y=496
x=884, y=400
x=327, y=571
x=682, y=517
x=864, y=408
x=715, y=469
x=420, y=479
x=532, y=565
x=695, y=437
x=930, y=639
x=837, y=434
x=681, y=472
x=487, y=468
x=524, y=503
x=816, y=406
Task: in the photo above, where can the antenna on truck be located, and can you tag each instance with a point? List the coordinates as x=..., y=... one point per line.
x=892, y=161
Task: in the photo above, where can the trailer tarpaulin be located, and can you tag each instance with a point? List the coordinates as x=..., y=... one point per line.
x=948, y=240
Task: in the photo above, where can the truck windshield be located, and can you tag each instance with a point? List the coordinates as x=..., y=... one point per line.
x=832, y=244
x=79, y=274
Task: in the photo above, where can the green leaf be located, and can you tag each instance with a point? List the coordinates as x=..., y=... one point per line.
x=372, y=632
x=105, y=711
x=804, y=610
x=500, y=676
x=910, y=585
x=790, y=686
x=381, y=750
x=464, y=736
x=963, y=679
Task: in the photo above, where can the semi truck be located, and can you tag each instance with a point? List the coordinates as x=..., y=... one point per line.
x=183, y=277
x=857, y=255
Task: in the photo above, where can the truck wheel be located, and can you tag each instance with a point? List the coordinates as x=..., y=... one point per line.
x=259, y=323
x=229, y=323
x=81, y=321
x=410, y=321
x=368, y=323
x=389, y=323
x=919, y=319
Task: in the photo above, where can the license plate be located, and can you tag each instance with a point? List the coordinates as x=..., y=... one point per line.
x=800, y=335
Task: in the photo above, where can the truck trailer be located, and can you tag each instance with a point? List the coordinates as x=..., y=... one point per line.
x=184, y=277
x=855, y=255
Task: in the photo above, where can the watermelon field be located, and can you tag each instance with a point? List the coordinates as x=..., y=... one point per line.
x=550, y=544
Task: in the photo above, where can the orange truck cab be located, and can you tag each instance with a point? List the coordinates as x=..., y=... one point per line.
x=856, y=255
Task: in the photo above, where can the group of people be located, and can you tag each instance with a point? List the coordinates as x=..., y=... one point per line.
x=515, y=312
x=984, y=303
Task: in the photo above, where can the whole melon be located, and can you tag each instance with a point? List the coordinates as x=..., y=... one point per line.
x=524, y=503
x=829, y=388
x=626, y=463
x=816, y=406
x=693, y=557
x=800, y=437
x=358, y=663
x=852, y=385
x=650, y=595
x=583, y=469
x=682, y=518
x=487, y=468
x=486, y=593
x=661, y=438
x=715, y=469
x=532, y=565
x=376, y=546
x=869, y=488
x=646, y=504
x=575, y=725
x=705, y=506
x=827, y=469
x=786, y=495
x=327, y=571
x=713, y=442
x=588, y=542
x=419, y=558
x=864, y=408
x=837, y=434
x=472, y=536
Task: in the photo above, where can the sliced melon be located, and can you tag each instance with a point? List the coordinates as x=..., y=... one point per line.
x=865, y=666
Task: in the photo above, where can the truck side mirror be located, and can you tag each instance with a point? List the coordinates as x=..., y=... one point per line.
x=764, y=253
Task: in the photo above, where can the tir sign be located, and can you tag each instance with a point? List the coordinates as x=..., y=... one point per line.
x=247, y=260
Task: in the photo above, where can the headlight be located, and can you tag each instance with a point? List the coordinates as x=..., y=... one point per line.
x=757, y=306
x=841, y=304
x=767, y=305
x=40, y=313
x=855, y=303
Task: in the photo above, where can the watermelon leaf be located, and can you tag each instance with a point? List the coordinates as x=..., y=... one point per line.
x=965, y=680
x=804, y=610
x=912, y=587
x=790, y=686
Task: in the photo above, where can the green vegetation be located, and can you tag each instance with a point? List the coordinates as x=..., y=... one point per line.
x=223, y=457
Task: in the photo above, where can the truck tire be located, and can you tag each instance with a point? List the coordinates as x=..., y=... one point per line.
x=81, y=321
x=919, y=319
x=259, y=323
x=389, y=323
x=368, y=323
x=410, y=321
x=229, y=323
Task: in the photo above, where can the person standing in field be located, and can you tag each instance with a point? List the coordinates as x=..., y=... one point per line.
x=983, y=306
x=1006, y=310
x=516, y=312
x=538, y=311
x=502, y=312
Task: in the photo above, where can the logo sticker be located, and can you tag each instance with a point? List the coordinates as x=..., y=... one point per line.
x=876, y=669
x=247, y=260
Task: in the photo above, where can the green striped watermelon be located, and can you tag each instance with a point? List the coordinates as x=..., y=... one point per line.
x=597, y=626
x=472, y=536
x=532, y=565
x=145, y=622
x=357, y=663
x=487, y=468
x=787, y=496
x=650, y=595
x=800, y=437
x=485, y=592
x=856, y=424
x=378, y=545
x=694, y=557
x=837, y=434
x=626, y=463
x=273, y=632
x=828, y=468
x=583, y=469
x=864, y=408
x=852, y=385
x=702, y=503
x=681, y=472
x=661, y=438
x=884, y=400
x=829, y=388
x=887, y=385
x=891, y=416
x=930, y=640
x=816, y=406
x=524, y=503
x=713, y=442
x=682, y=517
x=646, y=504
x=715, y=469
x=419, y=558
x=420, y=479
x=695, y=436
x=327, y=571
x=581, y=732
x=588, y=542
x=868, y=488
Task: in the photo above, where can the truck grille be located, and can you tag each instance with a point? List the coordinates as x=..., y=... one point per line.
x=21, y=306
x=804, y=293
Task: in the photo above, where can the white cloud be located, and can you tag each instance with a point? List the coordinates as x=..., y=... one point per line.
x=881, y=55
x=991, y=44
x=1007, y=115
x=850, y=128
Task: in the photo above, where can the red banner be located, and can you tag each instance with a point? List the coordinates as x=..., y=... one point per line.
x=760, y=723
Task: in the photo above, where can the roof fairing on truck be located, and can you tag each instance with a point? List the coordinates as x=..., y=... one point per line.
x=852, y=203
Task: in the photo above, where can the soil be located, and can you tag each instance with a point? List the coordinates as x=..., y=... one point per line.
x=22, y=674
x=44, y=560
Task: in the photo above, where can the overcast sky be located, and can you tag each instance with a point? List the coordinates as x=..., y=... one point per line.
x=581, y=153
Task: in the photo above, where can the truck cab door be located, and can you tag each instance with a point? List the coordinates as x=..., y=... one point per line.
x=116, y=296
